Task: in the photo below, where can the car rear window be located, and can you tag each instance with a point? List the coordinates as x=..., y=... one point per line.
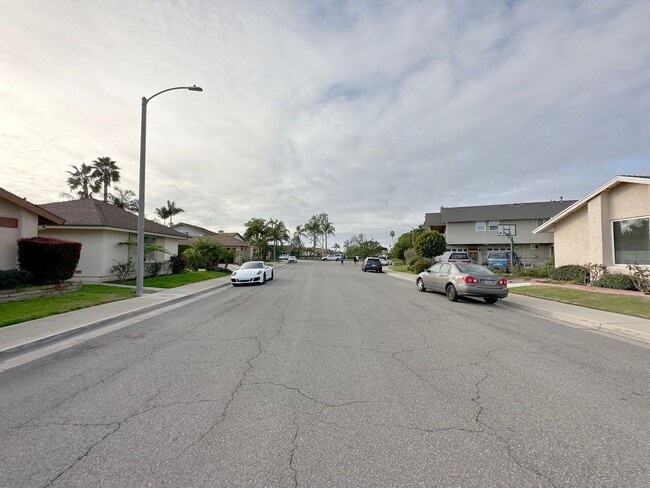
x=370, y=260
x=459, y=255
x=498, y=255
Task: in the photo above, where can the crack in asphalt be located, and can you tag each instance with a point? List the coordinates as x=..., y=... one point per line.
x=222, y=417
x=85, y=454
x=292, y=453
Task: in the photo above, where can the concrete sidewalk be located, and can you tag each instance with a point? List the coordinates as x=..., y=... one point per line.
x=20, y=338
x=613, y=323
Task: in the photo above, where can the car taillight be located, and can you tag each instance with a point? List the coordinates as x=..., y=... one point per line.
x=503, y=282
x=509, y=263
x=470, y=279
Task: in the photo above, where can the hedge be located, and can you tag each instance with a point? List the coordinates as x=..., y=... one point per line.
x=48, y=260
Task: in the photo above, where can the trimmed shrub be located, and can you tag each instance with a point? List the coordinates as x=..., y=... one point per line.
x=420, y=265
x=13, y=278
x=153, y=269
x=177, y=264
x=412, y=260
x=615, y=281
x=571, y=272
x=48, y=260
x=430, y=243
x=123, y=270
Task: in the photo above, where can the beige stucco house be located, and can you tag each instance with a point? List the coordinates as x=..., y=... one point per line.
x=233, y=241
x=101, y=227
x=480, y=229
x=19, y=219
x=610, y=226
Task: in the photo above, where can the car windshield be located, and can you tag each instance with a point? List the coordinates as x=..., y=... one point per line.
x=473, y=269
x=252, y=265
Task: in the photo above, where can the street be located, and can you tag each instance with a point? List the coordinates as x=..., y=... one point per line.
x=330, y=377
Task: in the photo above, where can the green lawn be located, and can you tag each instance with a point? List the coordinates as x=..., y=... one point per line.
x=36, y=308
x=402, y=268
x=172, y=281
x=636, y=306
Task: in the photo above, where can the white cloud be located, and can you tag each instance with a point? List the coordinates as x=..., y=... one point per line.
x=374, y=112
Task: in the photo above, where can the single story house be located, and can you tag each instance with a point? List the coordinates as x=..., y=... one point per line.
x=609, y=226
x=478, y=230
x=101, y=228
x=19, y=219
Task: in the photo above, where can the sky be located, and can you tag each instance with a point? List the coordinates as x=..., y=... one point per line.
x=374, y=112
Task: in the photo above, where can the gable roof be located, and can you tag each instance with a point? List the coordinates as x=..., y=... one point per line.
x=223, y=238
x=44, y=216
x=508, y=211
x=89, y=212
x=202, y=230
x=617, y=180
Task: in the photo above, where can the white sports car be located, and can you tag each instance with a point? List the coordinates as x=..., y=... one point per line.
x=252, y=272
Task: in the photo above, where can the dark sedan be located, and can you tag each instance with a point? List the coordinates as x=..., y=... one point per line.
x=371, y=264
x=457, y=279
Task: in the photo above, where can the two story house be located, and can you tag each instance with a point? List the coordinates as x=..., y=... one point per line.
x=478, y=230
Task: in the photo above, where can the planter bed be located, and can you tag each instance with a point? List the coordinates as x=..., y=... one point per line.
x=20, y=294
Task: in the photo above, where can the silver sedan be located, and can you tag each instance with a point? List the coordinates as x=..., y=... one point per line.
x=457, y=279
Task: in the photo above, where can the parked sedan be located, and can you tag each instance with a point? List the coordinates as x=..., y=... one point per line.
x=371, y=264
x=252, y=272
x=458, y=279
x=292, y=259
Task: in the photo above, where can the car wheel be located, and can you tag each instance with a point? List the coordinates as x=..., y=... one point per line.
x=263, y=278
x=420, y=284
x=363, y=269
x=452, y=294
x=271, y=278
x=490, y=300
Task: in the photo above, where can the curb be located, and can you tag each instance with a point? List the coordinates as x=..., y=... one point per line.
x=12, y=351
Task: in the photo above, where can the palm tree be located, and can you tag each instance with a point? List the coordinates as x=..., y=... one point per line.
x=163, y=213
x=313, y=229
x=328, y=230
x=256, y=232
x=278, y=232
x=82, y=177
x=173, y=210
x=168, y=212
x=105, y=170
x=124, y=199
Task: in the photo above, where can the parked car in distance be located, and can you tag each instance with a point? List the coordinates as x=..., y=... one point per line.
x=501, y=259
x=292, y=259
x=252, y=272
x=371, y=264
x=385, y=261
x=332, y=257
x=453, y=257
x=283, y=257
x=459, y=279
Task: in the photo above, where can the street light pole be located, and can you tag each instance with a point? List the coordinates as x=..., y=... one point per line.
x=412, y=238
x=139, y=268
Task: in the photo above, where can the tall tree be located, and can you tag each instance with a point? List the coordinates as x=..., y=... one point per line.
x=163, y=213
x=124, y=199
x=168, y=212
x=255, y=232
x=328, y=229
x=277, y=231
x=82, y=180
x=105, y=171
x=313, y=229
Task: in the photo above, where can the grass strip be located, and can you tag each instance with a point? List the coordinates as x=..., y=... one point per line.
x=36, y=308
x=636, y=306
x=401, y=268
x=172, y=281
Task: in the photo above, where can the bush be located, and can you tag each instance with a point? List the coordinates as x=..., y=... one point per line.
x=542, y=272
x=430, y=243
x=413, y=259
x=640, y=276
x=420, y=265
x=123, y=270
x=153, y=269
x=571, y=272
x=13, y=278
x=615, y=281
x=177, y=264
x=48, y=260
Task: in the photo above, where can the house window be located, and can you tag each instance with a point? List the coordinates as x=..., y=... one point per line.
x=542, y=221
x=493, y=225
x=632, y=241
x=479, y=226
x=152, y=255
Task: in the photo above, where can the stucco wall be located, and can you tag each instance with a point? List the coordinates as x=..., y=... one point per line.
x=464, y=233
x=572, y=239
x=27, y=227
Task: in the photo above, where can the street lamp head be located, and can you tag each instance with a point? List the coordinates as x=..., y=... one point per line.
x=194, y=88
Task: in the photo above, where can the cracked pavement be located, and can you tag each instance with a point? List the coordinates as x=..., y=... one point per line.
x=327, y=376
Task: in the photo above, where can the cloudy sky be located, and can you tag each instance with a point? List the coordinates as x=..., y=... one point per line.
x=374, y=112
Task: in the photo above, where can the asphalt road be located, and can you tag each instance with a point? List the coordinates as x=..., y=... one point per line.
x=328, y=376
